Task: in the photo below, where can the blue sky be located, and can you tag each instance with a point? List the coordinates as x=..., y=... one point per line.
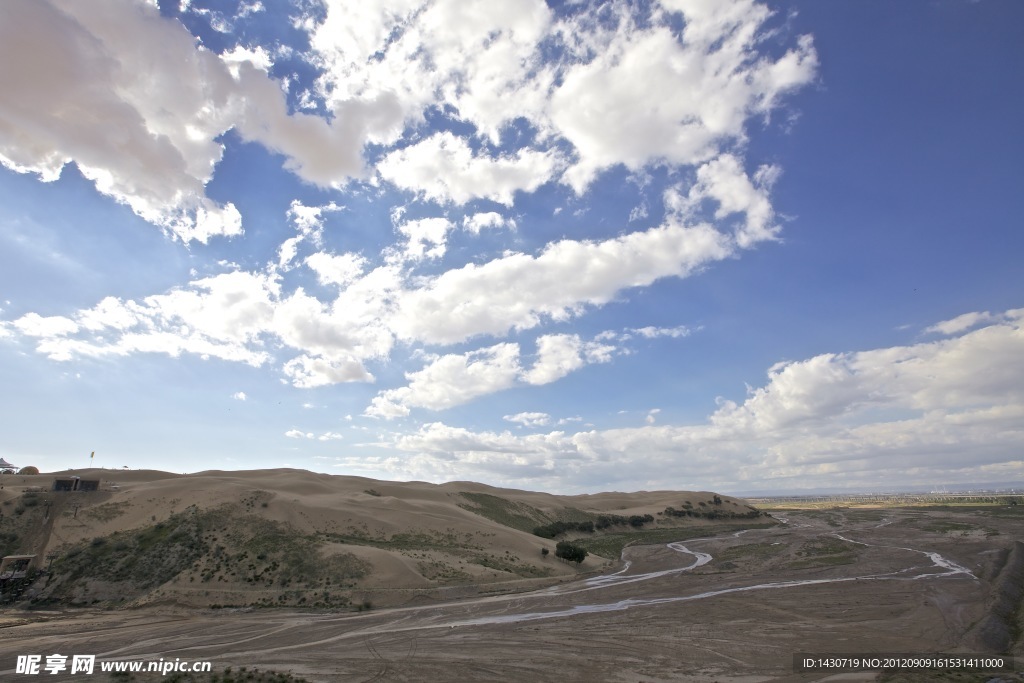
x=572, y=247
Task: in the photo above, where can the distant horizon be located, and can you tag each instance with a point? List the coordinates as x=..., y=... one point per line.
x=998, y=488
x=732, y=245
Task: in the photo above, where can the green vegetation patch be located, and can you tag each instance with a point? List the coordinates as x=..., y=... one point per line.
x=825, y=552
x=956, y=528
x=107, y=511
x=146, y=557
x=750, y=551
x=503, y=511
x=213, y=546
x=611, y=545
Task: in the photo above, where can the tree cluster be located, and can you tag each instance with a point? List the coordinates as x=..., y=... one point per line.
x=588, y=527
x=556, y=528
x=711, y=514
x=570, y=551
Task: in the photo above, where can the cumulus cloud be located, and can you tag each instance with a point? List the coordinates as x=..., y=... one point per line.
x=579, y=84
x=309, y=226
x=443, y=168
x=330, y=436
x=233, y=315
x=117, y=68
x=581, y=81
x=133, y=100
x=307, y=371
x=560, y=354
x=451, y=380
x=951, y=407
x=606, y=108
x=228, y=316
x=724, y=181
x=487, y=220
x=537, y=97
x=239, y=396
x=336, y=269
x=529, y=419
x=518, y=290
x=426, y=237
x=458, y=378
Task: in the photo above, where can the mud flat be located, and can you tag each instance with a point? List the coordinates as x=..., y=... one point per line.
x=728, y=608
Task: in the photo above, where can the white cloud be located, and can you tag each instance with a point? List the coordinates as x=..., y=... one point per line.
x=427, y=237
x=529, y=419
x=652, y=332
x=577, y=90
x=122, y=67
x=580, y=103
x=452, y=380
x=560, y=354
x=326, y=436
x=582, y=80
x=307, y=371
x=34, y=325
x=960, y=323
x=950, y=409
x=479, y=60
x=481, y=221
x=724, y=181
x=330, y=436
x=239, y=396
x=638, y=213
x=518, y=290
x=443, y=168
x=246, y=9
x=336, y=269
x=256, y=56
x=607, y=109
x=455, y=379
x=222, y=316
x=61, y=109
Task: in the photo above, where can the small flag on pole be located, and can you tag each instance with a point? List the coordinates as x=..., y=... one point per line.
x=92, y=457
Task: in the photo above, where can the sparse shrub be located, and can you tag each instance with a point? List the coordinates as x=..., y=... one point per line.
x=29, y=470
x=544, y=552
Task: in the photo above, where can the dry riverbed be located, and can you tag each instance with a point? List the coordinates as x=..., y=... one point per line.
x=729, y=608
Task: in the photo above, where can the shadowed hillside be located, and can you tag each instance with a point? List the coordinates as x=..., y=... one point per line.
x=295, y=538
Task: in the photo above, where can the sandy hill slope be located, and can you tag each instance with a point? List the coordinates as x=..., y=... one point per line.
x=291, y=537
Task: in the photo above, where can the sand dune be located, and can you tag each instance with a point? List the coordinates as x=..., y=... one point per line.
x=288, y=537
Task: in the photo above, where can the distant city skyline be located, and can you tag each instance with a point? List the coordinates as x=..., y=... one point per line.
x=730, y=246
